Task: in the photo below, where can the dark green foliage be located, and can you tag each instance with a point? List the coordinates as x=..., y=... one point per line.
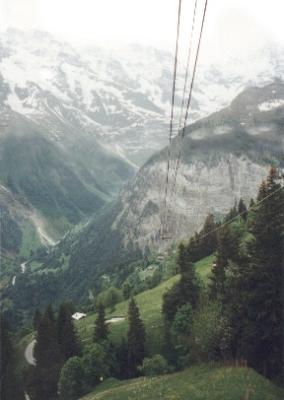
x=101, y=329
x=232, y=214
x=122, y=358
x=10, y=385
x=96, y=365
x=66, y=334
x=251, y=203
x=157, y=365
x=180, y=332
x=169, y=351
x=71, y=379
x=109, y=297
x=37, y=318
x=210, y=333
x=242, y=210
x=135, y=338
x=126, y=290
x=186, y=290
x=48, y=358
x=6, y=346
x=32, y=292
x=183, y=320
x=49, y=313
x=10, y=233
x=204, y=243
x=171, y=302
x=36, y=169
x=189, y=286
x=227, y=250
x=254, y=287
x=261, y=283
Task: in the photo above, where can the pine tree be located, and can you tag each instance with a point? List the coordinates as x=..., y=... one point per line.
x=204, y=243
x=10, y=385
x=122, y=358
x=71, y=379
x=251, y=203
x=135, y=338
x=209, y=243
x=169, y=351
x=233, y=213
x=183, y=260
x=188, y=285
x=262, y=193
x=37, y=318
x=66, y=334
x=242, y=209
x=256, y=287
x=48, y=358
x=101, y=329
x=227, y=250
x=265, y=278
x=186, y=290
x=49, y=313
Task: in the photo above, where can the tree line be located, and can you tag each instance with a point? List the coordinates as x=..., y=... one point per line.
x=238, y=316
x=235, y=317
x=65, y=369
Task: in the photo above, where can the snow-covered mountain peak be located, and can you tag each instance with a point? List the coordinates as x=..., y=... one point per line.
x=122, y=96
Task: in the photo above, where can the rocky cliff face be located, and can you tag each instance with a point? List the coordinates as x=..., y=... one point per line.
x=224, y=157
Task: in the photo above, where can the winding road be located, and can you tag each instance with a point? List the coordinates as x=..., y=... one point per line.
x=29, y=353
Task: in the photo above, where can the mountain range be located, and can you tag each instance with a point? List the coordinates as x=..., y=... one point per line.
x=75, y=124
x=224, y=157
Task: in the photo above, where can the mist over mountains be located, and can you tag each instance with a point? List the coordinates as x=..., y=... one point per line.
x=75, y=124
x=225, y=157
x=122, y=97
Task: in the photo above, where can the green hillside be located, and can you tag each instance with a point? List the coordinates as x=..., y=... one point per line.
x=150, y=305
x=196, y=383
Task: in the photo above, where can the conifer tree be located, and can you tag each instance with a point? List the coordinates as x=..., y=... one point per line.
x=10, y=385
x=227, y=249
x=169, y=351
x=262, y=193
x=242, y=209
x=186, y=290
x=183, y=261
x=135, y=338
x=66, y=334
x=122, y=358
x=251, y=203
x=48, y=358
x=209, y=243
x=265, y=274
x=37, y=318
x=256, y=285
x=204, y=243
x=49, y=313
x=232, y=213
x=188, y=285
x=101, y=328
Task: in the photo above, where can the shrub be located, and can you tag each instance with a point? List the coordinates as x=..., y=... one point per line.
x=210, y=333
x=182, y=320
x=157, y=365
x=96, y=365
x=71, y=379
x=110, y=297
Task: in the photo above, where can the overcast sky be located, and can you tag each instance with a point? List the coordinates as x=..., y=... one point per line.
x=237, y=24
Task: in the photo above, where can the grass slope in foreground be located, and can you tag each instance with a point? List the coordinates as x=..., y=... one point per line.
x=196, y=383
x=150, y=305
